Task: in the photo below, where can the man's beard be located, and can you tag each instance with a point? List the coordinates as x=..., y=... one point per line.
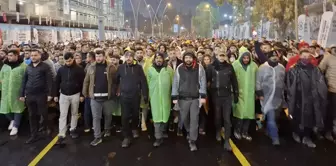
x=188, y=63
x=159, y=63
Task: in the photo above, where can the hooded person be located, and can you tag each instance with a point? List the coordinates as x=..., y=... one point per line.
x=11, y=77
x=293, y=61
x=189, y=91
x=160, y=78
x=270, y=85
x=328, y=67
x=244, y=110
x=131, y=83
x=307, y=93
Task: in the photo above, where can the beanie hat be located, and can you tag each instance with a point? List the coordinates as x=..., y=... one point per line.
x=130, y=53
x=303, y=44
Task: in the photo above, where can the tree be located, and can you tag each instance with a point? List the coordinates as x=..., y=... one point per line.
x=219, y=2
x=205, y=19
x=280, y=12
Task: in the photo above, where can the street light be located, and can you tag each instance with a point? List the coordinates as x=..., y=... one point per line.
x=168, y=4
x=225, y=15
x=230, y=17
x=126, y=21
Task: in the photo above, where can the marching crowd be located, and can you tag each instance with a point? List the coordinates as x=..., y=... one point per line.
x=171, y=84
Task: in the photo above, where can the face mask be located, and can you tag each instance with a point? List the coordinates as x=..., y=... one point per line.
x=305, y=61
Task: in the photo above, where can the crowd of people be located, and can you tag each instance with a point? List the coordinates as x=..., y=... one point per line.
x=171, y=84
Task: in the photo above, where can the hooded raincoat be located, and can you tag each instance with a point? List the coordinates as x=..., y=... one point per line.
x=270, y=84
x=160, y=85
x=148, y=61
x=246, y=77
x=11, y=80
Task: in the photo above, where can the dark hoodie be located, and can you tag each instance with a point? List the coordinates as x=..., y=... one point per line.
x=131, y=80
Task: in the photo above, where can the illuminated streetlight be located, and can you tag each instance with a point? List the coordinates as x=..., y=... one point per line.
x=230, y=17
x=148, y=6
x=126, y=21
x=225, y=25
x=207, y=6
x=225, y=15
x=169, y=4
x=251, y=7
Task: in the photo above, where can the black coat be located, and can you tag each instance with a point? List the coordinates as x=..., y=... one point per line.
x=307, y=95
x=131, y=81
x=222, y=79
x=37, y=80
x=69, y=80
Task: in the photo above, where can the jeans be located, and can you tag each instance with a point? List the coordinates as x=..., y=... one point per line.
x=64, y=103
x=16, y=117
x=160, y=128
x=272, y=128
x=87, y=113
x=100, y=107
x=189, y=112
x=129, y=110
x=223, y=106
x=37, y=108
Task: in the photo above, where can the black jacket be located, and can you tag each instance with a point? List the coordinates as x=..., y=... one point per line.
x=131, y=81
x=222, y=79
x=69, y=80
x=37, y=80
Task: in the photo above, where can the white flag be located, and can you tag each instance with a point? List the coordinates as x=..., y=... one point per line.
x=28, y=18
x=17, y=17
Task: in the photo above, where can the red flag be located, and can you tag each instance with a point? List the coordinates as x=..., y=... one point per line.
x=112, y=3
x=4, y=17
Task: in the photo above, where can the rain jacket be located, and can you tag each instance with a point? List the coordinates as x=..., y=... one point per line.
x=270, y=84
x=307, y=95
x=245, y=107
x=159, y=84
x=11, y=80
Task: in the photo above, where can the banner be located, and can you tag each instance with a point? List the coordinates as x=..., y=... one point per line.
x=112, y=3
x=66, y=7
x=325, y=27
x=12, y=5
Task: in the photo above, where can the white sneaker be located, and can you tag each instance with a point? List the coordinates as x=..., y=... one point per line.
x=11, y=125
x=14, y=131
x=143, y=127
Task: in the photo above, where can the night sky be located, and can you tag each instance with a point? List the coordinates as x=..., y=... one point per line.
x=180, y=5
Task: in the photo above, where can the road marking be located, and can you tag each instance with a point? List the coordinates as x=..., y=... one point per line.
x=43, y=152
x=239, y=155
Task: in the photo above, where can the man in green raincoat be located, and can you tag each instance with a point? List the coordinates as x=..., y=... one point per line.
x=244, y=110
x=160, y=78
x=11, y=76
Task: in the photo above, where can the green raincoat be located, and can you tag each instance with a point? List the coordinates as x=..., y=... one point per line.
x=11, y=80
x=147, y=64
x=244, y=109
x=116, y=107
x=160, y=85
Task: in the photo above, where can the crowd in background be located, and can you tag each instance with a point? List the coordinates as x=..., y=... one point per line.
x=172, y=84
